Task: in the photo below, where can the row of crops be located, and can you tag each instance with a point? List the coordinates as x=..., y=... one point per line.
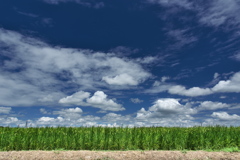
x=119, y=138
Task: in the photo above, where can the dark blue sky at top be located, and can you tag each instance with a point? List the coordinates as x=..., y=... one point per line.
x=188, y=43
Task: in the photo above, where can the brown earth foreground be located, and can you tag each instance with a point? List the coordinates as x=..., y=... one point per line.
x=118, y=155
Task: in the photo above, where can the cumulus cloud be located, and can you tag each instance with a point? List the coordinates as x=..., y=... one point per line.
x=76, y=99
x=167, y=111
x=98, y=100
x=224, y=86
x=224, y=116
x=192, y=92
x=10, y=121
x=209, y=105
x=35, y=73
x=136, y=100
x=231, y=85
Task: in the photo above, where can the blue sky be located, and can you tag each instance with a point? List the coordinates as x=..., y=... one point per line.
x=119, y=63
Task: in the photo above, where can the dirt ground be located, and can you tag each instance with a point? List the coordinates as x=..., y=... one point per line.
x=118, y=155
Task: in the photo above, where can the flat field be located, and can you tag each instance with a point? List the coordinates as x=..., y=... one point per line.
x=120, y=143
x=118, y=155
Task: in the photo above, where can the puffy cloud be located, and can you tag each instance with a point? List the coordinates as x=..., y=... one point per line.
x=209, y=105
x=167, y=112
x=231, y=85
x=5, y=110
x=224, y=116
x=35, y=73
x=136, y=100
x=45, y=119
x=192, y=92
x=168, y=106
x=76, y=99
x=10, y=121
x=98, y=100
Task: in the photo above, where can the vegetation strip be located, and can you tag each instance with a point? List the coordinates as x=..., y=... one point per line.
x=120, y=138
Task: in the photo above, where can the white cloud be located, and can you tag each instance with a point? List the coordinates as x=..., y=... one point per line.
x=215, y=13
x=237, y=56
x=43, y=111
x=46, y=72
x=169, y=3
x=148, y=60
x=167, y=112
x=98, y=100
x=136, y=100
x=209, y=105
x=224, y=86
x=164, y=78
x=45, y=119
x=231, y=85
x=10, y=121
x=5, y=110
x=170, y=106
x=192, y=92
x=224, y=116
x=159, y=87
x=181, y=37
x=216, y=75
x=220, y=12
x=122, y=79
x=76, y=99
x=70, y=113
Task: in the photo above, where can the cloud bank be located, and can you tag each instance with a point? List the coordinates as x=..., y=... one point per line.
x=34, y=73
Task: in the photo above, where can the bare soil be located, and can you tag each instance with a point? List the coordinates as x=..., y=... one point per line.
x=118, y=155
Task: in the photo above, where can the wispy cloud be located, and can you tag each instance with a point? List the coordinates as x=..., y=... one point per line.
x=34, y=72
x=5, y=110
x=181, y=38
x=136, y=100
x=222, y=86
x=215, y=13
x=86, y=3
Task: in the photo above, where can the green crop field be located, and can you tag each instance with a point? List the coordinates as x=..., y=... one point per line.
x=119, y=138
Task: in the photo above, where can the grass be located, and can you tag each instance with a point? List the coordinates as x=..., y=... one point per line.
x=120, y=138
